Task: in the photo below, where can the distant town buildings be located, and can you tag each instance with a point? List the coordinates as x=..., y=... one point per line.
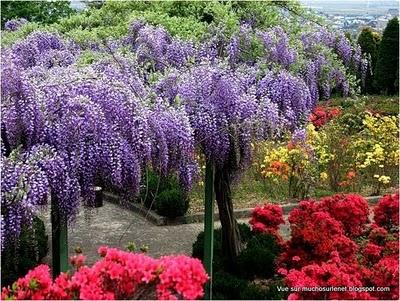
x=353, y=15
x=355, y=23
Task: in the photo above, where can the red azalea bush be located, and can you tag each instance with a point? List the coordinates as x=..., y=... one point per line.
x=333, y=273
x=385, y=273
x=322, y=114
x=386, y=213
x=119, y=275
x=332, y=245
x=266, y=218
x=349, y=209
x=314, y=236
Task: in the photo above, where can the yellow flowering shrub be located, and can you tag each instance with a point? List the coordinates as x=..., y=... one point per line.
x=293, y=164
x=376, y=150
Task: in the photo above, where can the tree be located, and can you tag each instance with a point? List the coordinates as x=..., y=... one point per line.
x=93, y=3
x=35, y=11
x=388, y=59
x=369, y=43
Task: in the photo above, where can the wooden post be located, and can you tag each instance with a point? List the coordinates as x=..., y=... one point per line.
x=59, y=238
x=209, y=226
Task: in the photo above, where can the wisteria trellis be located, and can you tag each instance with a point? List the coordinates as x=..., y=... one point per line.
x=70, y=127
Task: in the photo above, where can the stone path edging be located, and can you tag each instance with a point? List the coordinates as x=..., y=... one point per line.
x=159, y=220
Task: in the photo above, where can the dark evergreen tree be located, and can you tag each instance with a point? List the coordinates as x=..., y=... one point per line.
x=369, y=43
x=388, y=59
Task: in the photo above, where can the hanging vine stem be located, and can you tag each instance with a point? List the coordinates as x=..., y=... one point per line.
x=147, y=213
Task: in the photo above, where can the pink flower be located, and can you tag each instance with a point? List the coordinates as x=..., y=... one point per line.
x=116, y=276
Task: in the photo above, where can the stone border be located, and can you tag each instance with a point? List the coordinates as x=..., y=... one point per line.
x=159, y=220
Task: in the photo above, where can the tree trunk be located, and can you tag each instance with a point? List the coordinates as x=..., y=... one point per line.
x=231, y=242
x=4, y=139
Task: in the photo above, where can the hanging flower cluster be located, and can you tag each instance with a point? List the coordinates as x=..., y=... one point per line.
x=118, y=276
x=14, y=24
x=30, y=178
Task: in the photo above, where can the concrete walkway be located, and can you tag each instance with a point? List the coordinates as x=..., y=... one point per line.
x=105, y=226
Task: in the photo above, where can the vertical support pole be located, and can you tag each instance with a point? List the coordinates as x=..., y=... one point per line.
x=209, y=226
x=59, y=238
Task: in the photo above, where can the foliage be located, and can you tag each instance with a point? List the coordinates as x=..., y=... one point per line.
x=387, y=65
x=18, y=259
x=35, y=11
x=349, y=153
x=255, y=261
x=219, y=261
x=298, y=164
x=119, y=275
x=163, y=194
x=172, y=203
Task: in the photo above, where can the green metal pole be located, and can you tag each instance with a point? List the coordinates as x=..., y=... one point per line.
x=209, y=226
x=59, y=238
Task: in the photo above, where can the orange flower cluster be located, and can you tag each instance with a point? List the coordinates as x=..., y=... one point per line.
x=279, y=168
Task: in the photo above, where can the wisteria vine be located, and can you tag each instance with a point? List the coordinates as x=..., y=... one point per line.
x=150, y=101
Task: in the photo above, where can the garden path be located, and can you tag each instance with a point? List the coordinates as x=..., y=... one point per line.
x=105, y=225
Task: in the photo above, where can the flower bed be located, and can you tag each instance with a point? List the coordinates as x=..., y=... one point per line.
x=333, y=244
x=118, y=275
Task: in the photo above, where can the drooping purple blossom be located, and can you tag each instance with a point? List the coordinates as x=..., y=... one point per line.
x=290, y=94
x=344, y=49
x=276, y=45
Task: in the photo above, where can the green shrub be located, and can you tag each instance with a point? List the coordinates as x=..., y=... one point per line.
x=17, y=260
x=369, y=43
x=263, y=291
x=218, y=260
x=227, y=286
x=257, y=259
x=164, y=195
x=172, y=203
x=352, y=123
x=46, y=12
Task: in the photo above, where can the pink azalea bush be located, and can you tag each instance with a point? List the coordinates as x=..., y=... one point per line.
x=118, y=275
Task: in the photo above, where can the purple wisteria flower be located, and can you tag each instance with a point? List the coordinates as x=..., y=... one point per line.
x=15, y=24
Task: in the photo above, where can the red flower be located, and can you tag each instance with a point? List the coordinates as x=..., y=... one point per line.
x=266, y=219
x=386, y=212
x=350, y=209
x=116, y=276
x=321, y=115
x=372, y=252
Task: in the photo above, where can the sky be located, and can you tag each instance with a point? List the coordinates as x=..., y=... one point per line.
x=367, y=6
x=379, y=6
